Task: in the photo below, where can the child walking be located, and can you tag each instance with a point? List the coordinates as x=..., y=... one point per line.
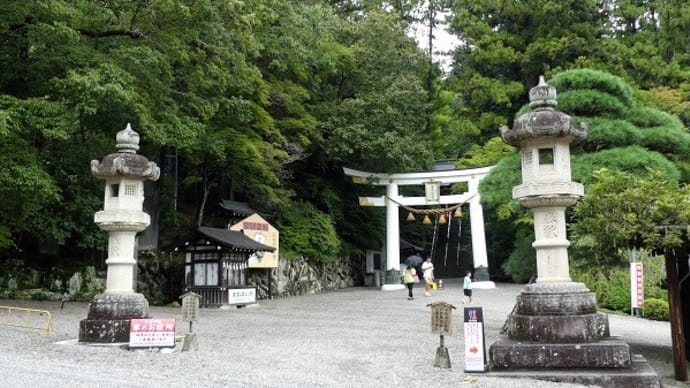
x=467, y=287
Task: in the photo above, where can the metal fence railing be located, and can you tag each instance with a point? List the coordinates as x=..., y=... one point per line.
x=26, y=318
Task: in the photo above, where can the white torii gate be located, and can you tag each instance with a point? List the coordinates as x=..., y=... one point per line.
x=392, y=201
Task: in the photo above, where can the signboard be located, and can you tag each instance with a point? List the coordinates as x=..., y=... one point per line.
x=432, y=191
x=475, y=355
x=149, y=333
x=441, y=313
x=258, y=229
x=241, y=295
x=190, y=306
x=636, y=285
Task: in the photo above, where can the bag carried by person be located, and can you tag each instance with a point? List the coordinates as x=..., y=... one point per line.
x=433, y=285
x=415, y=279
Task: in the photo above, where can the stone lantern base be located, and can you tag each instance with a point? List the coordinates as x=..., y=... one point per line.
x=556, y=332
x=109, y=315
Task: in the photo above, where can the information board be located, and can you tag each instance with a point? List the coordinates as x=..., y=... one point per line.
x=150, y=333
x=241, y=295
x=475, y=354
x=259, y=230
x=636, y=285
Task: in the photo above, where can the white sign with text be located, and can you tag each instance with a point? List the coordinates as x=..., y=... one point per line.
x=475, y=354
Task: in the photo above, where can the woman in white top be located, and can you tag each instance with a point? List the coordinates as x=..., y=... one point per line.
x=428, y=271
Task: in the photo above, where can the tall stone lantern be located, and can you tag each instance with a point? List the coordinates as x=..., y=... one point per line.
x=555, y=324
x=544, y=136
x=122, y=218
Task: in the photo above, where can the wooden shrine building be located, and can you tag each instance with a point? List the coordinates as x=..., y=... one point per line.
x=216, y=262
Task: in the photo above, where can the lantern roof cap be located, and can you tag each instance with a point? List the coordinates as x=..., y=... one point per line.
x=543, y=121
x=127, y=140
x=125, y=161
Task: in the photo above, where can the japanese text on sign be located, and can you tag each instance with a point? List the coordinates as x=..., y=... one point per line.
x=241, y=295
x=636, y=285
x=441, y=314
x=475, y=355
x=152, y=332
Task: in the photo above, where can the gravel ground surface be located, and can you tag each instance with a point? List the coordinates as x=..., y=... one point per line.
x=357, y=337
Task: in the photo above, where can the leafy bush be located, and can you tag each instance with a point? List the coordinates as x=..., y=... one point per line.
x=589, y=79
x=632, y=159
x=522, y=262
x=591, y=103
x=652, y=117
x=656, y=309
x=306, y=231
x=604, y=133
x=615, y=290
x=654, y=275
x=609, y=295
x=612, y=285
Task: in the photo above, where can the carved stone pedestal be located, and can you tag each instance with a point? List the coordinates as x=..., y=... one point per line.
x=556, y=334
x=109, y=316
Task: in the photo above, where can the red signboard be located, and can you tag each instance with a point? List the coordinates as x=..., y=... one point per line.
x=149, y=333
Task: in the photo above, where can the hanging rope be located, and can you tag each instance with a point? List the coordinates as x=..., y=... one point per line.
x=457, y=254
x=433, y=240
x=432, y=211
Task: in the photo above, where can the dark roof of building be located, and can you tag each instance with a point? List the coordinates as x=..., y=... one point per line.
x=404, y=244
x=233, y=239
x=236, y=207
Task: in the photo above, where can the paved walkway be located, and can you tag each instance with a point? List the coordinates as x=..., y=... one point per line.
x=357, y=337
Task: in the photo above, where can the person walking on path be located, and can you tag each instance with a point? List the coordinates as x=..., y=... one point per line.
x=467, y=287
x=409, y=277
x=428, y=271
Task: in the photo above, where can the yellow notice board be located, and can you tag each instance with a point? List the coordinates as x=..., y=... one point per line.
x=258, y=229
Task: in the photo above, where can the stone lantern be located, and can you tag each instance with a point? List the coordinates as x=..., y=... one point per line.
x=555, y=324
x=122, y=218
x=544, y=137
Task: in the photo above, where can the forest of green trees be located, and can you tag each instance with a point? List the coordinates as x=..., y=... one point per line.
x=265, y=101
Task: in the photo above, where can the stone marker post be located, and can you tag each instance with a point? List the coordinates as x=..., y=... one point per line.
x=555, y=324
x=441, y=314
x=122, y=217
x=190, y=313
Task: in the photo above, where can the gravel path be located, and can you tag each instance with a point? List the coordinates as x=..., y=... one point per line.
x=357, y=337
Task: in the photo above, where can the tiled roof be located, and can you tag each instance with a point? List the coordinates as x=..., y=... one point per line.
x=233, y=239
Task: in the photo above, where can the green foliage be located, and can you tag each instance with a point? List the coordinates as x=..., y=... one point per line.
x=591, y=103
x=486, y=155
x=505, y=46
x=522, y=264
x=654, y=276
x=496, y=188
x=611, y=287
x=638, y=204
x=610, y=133
x=672, y=100
x=631, y=159
x=305, y=231
x=656, y=309
x=623, y=138
x=593, y=80
x=652, y=117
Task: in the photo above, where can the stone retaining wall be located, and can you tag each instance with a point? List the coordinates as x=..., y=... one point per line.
x=300, y=277
x=159, y=279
